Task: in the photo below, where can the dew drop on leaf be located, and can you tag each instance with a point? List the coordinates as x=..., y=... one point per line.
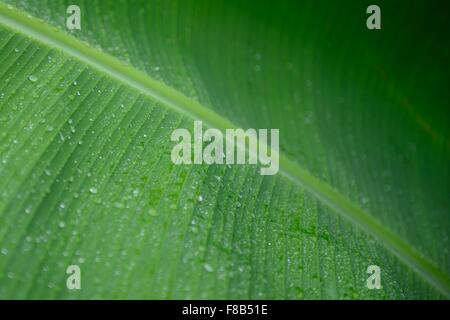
x=208, y=267
x=118, y=205
x=32, y=78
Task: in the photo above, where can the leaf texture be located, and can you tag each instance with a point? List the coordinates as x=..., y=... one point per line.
x=86, y=176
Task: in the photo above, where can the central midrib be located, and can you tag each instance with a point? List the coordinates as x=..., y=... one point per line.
x=175, y=100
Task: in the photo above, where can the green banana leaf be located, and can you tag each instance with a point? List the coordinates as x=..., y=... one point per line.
x=86, y=176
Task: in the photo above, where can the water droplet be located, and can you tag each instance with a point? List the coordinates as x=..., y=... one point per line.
x=16, y=50
x=32, y=78
x=61, y=224
x=29, y=126
x=93, y=190
x=208, y=267
x=4, y=251
x=200, y=198
x=118, y=205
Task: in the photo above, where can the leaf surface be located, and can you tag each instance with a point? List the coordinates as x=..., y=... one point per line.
x=86, y=175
